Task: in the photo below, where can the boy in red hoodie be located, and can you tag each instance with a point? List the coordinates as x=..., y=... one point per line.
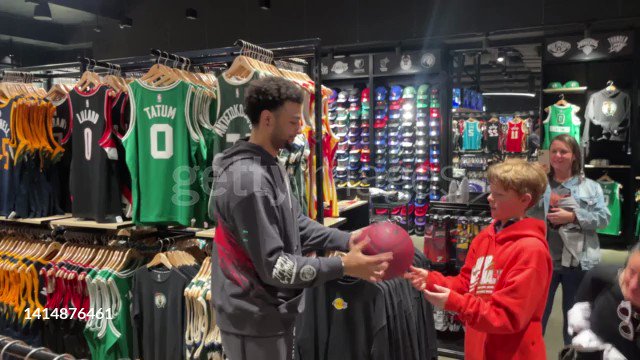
x=501, y=291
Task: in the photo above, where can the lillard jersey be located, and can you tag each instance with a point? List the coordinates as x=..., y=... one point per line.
x=515, y=136
x=494, y=136
x=94, y=185
x=232, y=123
x=8, y=185
x=161, y=143
x=61, y=132
x=561, y=120
x=471, y=136
x=611, y=191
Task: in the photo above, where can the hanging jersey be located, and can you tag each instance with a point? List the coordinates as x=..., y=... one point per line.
x=471, y=136
x=62, y=170
x=7, y=174
x=94, y=184
x=494, y=136
x=515, y=137
x=611, y=191
x=561, y=120
x=231, y=123
x=161, y=144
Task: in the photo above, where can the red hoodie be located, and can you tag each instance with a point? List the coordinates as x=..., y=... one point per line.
x=501, y=292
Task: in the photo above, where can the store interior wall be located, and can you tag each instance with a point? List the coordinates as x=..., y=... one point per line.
x=162, y=24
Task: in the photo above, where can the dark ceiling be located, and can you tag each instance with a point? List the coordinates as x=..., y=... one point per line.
x=162, y=23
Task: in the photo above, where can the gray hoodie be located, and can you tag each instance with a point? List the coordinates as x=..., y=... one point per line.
x=259, y=272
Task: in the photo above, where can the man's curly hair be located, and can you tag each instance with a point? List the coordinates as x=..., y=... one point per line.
x=269, y=93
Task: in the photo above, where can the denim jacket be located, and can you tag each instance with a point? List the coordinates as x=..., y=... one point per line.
x=592, y=214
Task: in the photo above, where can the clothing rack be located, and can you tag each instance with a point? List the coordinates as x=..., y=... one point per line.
x=19, y=349
x=299, y=49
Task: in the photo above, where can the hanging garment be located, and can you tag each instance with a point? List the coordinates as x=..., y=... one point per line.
x=613, y=199
x=561, y=120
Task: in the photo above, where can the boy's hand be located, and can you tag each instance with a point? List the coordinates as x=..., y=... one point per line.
x=439, y=297
x=417, y=277
x=559, y=216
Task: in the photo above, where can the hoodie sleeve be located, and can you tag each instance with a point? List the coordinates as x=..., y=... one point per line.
x=509, y=309
x=256, y=222
x=315, y=236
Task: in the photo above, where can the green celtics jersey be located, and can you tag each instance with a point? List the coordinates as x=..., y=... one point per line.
x=232, y=123
x=611, y=192
x=561, y=120
x=161, y=146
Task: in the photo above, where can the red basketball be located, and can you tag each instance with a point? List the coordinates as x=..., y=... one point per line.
x=389, y=237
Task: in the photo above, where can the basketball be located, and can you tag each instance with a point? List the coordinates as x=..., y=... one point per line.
x=389, y=237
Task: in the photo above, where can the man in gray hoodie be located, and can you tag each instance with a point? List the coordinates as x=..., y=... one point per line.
x=259, y=272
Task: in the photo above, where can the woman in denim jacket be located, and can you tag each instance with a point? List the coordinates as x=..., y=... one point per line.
x=570, y=231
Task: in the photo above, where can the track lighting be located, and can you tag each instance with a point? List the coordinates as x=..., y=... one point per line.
x=191, y=14
x=501, y=57
x=264, y=4
x=42, y=12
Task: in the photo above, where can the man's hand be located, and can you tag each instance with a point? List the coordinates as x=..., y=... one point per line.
x=356, y=237
x=559, y=216
x=417, y=277
x=439, y=297
x=365, y=267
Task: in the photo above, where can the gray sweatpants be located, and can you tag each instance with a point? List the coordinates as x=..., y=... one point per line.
x=238, y=347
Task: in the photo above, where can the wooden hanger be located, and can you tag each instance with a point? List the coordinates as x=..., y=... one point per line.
x=240, y=68
x=562, y=101
x=606, y=177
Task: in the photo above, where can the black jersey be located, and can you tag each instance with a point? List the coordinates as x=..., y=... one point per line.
x=493, y=136
x=7, y=172
x=61, y=171
x=94, y=184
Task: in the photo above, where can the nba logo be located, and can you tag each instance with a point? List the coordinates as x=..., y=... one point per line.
x=159, y=97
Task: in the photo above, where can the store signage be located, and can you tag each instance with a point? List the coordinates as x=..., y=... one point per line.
x=345, y=67
x=593, y=47
x=407, y=63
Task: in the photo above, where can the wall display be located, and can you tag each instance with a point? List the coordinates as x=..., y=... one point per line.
x=407, y=63
x=595, y=47
x=562, y=118
x=345, y=67
x=608, y=117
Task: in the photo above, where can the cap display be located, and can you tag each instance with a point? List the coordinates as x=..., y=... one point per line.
x=381, y=142
x=382, y=113
x=365, y=114
x=395, y=114
x=395, y=105
x=380, y=123
x=408, y=105
x=381, y=105
x=354, y=95
x=381, y=149
x=571, y=84
x=408, y=115
x=421, y=211
x=381, y=93
x=364, y=97
x=394, y=141
x=354, y=166
x=423, y=92
x=343, y=96
x=396, y=93
x=342, y=115
x=554, y=85
x=435, y=113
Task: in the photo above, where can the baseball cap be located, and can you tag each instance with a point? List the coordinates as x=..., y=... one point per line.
x=394, y=124
x=353, y=140
x=394, y=141
x=342, y=97
x=421, y=131
x=394, y=132
x=380, y=114
x=380, y=123
x=409, y=92
x=381, y=149
x=333, y=96
x=395, y=177
x=422, y=113
x=341, y=131
x=421, y=187
x=396, y=93
x=571, y=84
x=408, y=105
x=434, y=196
x=394, y=160
x=354, y=150
x=555, y=85
x=354, y=166
x=395, y=114
x=395, y=105
x=354, y=95
x=381, y=142
x=394, y=150
x=342, y=161
x=421, y=198
x=421, y=144
x=407, y=133
x=381, y=105
x=343, y=146
x=423, y=92
x=396, y=210
x=379, y=211
x=380, y=170
x=435, y=113
x=381, y=93
x=365, y=96
x=366, y=113
x=434, y=133
x=354, y=133
x=408, y=115
x=342, y=115
x=341, y=172
x=333, y=115
x=421, y=211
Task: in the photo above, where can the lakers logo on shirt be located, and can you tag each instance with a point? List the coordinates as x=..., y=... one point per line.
x=609, y=108
x=160, y=300
x=340, y=304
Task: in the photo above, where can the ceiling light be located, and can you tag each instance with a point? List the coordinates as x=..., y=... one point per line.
x=265, y=4
x=7, y=60
x=508, y=94
x=500, y=57
x=42, y=12
x=191, y=14
x=126, y=22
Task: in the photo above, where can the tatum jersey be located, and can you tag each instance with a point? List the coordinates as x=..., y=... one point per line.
x=232, y=123
x=471, y=135
x=611, y=191
x=160, y=145
x=561, y=120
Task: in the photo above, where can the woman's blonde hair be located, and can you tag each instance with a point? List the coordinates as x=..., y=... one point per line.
x=520, y=176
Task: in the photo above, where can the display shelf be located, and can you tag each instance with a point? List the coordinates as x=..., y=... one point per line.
x=465, y=110
x=579, y=90
x=334, y=222
x=607, y=166
x=346, y=205
x=35, y=221
x=90, y=224
x=207, y=234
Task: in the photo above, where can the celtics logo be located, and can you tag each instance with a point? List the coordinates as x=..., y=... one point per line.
x=609, y=108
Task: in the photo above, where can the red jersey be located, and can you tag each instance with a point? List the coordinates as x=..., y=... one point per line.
x=515, y=137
